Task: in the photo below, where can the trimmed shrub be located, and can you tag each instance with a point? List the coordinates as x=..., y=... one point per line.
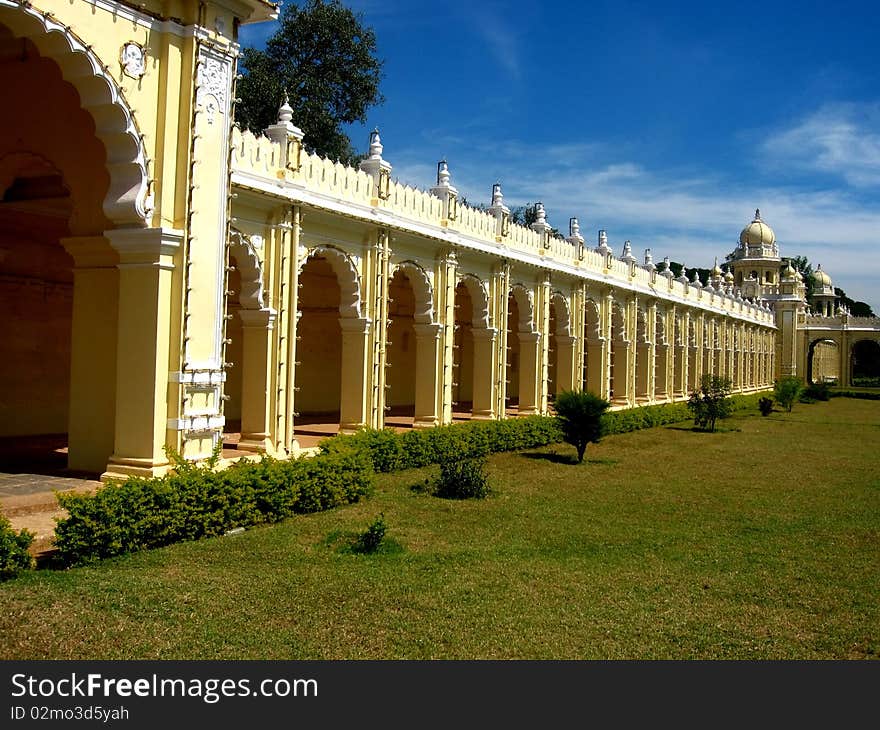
x=816, y=391
x=14, y=555
x=463, y=479
x=863, y=395
x=392, y=451
x=195, y=502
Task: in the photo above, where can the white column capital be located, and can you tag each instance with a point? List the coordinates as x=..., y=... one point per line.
x=257, y=318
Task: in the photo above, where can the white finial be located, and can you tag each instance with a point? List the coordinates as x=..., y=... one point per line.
x=540, y=213
x=683, y=276
x=695, y=280
x=285, y=111
x=375, y=145
x=442, y=173
x=497, y=195
x=540, y=225
x=574, y=235
x=649, y=259
x=628, y=253
x=603, y=242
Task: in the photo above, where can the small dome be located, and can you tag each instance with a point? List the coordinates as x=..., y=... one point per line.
x=757, y=233
x=790, y=272
x=716, y=271
x=728, y=276
x=820, y=278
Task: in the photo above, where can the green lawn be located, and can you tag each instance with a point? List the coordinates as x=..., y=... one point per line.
x=761, y=541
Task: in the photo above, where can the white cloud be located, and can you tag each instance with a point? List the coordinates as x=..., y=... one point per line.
x=841, y=139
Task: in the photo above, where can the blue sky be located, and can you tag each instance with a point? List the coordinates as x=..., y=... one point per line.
x=664, y=123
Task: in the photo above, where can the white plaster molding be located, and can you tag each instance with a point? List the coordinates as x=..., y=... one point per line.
x=347, y=276
x=296, y=193
x=127, y=201
x=422, y=290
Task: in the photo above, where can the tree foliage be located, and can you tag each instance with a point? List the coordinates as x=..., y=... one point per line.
x=527, y=214
x=580, y=417
x=856, y=308
x=787, y=390
x=710, y=401
x=324, y=59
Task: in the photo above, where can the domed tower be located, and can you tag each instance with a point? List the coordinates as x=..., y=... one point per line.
x=759, y=274
x=755, y=262
x=823, y=298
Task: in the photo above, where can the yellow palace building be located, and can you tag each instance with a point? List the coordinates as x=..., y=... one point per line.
x=169, y=281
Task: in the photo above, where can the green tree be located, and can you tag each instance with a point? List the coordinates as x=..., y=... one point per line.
x=527, y=214
x=710, y=401
x=787, y=390
x=580, y=417
x=856, y=308
x=324, y=59
x=802, y=264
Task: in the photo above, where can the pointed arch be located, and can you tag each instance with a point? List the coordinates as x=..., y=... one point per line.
x=127, y=202
x=479, y=299
x=346, y=275
x=422, y=290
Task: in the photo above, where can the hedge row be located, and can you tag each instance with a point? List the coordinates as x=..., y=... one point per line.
x=195, y=502
x=393, y=451
x=14, y=555
x=864, y=395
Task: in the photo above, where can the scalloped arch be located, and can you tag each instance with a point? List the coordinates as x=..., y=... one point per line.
x=127, y=202
x=479, y=299
x=250, y=268
x=346, y=276
x=523, y=298
x=592, y=330
x=422, y=290
x=563, y=314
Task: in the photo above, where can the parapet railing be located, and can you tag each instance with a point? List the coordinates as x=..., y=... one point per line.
x=259, y=157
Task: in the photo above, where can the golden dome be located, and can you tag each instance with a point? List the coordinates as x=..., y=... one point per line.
x=821, y=278
x=757, y=233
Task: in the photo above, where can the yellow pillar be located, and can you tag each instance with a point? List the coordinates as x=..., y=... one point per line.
x=447, y=267
x=354, y=390
x=485, y=369
x=428, y=383
x=92, y=415
x=565, y=363
x=529, y=373
x=142, y=373
x=256, y=411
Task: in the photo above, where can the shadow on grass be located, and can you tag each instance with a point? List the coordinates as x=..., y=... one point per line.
x=557, y=458
x=694, y=429
x=344, y=542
